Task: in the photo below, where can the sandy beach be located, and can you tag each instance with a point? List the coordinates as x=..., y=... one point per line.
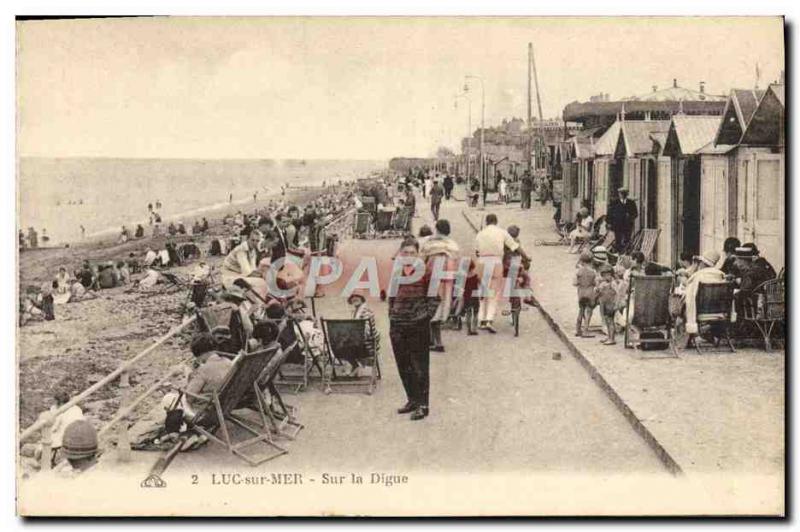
x=89, y=339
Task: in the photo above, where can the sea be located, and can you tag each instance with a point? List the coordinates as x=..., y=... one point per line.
x=58, y=195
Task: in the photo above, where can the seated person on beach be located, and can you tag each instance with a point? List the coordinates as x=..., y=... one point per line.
x=86, y=276
x=181, y=228
x=150, y=257
x=172, y=229
x=196, y=228
x=241, y=263
x=583, y=229
x=686, y=268
x=61, y=285
x=159, y=426
x=123, y=273
x=706, y=273
x=106, y=278
x=79, y=447
x=751, y=271
x=139, y=231
x=58, y=425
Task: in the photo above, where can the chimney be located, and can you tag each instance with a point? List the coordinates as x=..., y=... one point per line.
x=655, y=88
x=702, y=87
x=675, y=83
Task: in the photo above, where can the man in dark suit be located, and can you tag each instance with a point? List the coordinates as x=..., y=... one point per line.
x=622, y=214
x=525, y=189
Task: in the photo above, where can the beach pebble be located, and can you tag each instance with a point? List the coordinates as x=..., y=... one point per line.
x=557, y=355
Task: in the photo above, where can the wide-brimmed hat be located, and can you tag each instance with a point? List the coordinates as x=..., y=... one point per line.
x=709, y=258
x=355, y=295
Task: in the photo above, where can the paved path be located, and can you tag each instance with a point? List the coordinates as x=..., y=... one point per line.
x=716, y=412
x=498, y=404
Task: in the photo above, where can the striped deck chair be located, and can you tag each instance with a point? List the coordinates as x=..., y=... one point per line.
x=352, y=340
x=648, y=242
x=649, y=311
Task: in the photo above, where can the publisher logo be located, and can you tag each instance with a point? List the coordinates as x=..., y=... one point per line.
x=153, y=481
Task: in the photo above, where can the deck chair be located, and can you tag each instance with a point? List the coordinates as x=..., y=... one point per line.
x=769, y=309
x=299, y=353
x=648, y=241
x=348, y=340
x=401, y=219
x=361, y=223
x=281, y=416
x=383, y=220
x=634, y=245
x=218, y=410
x=714, y=308
x=650, y=318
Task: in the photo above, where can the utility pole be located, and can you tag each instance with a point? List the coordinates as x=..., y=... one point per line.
x=538, y=100
x=483, y=126
x=530, y=124
x=469, y=130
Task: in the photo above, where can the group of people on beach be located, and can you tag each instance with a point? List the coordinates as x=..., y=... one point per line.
x=31, y=239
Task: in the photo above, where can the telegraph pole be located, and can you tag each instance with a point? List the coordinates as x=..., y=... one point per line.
x=530, y=124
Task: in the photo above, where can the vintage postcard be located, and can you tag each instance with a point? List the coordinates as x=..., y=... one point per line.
x=401, y=266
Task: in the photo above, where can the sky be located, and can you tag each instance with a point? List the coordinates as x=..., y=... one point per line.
x=346, y=88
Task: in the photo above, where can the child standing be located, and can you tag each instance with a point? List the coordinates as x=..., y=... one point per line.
x=468, y=303
x=606, y=293
x=585, y=280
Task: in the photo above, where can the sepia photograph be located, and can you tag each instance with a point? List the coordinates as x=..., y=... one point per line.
x=400, y=266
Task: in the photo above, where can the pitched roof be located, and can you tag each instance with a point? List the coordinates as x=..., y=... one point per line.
x=607, y=143
x=688, y=134
x=779, y=90
x=637, y=134
x=739, y=110
x=715, y=149
x=766, y=126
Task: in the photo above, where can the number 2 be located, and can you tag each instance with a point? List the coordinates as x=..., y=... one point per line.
x=194, y=480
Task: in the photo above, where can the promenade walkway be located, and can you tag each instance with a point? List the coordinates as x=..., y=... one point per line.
x=709, y=413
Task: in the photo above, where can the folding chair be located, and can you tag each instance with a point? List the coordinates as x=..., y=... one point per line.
x=401, y=219
x=361, y=224
x=283, y=420
x=650, y=312
x=769, y=309
x=383, y=220
x=648, y=241
x=299, y=353
x=349, y=340
x=219, y=407
x=714, y=309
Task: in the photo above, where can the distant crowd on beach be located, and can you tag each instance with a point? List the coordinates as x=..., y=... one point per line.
x=31, y=240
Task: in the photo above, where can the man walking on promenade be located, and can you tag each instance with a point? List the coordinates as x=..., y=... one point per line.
x=490, y=244
x=440, y=247
x=621, y=217
x=525, y=189
x=448, y=186
x=437, y=193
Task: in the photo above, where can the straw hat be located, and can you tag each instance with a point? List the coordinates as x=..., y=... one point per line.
x=709, y=258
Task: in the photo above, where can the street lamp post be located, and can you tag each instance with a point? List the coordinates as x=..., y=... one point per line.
x=469, y=130
x=483, y=126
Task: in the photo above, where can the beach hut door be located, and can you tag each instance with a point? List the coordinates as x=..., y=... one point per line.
x=714, y=203
x=766, y=207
